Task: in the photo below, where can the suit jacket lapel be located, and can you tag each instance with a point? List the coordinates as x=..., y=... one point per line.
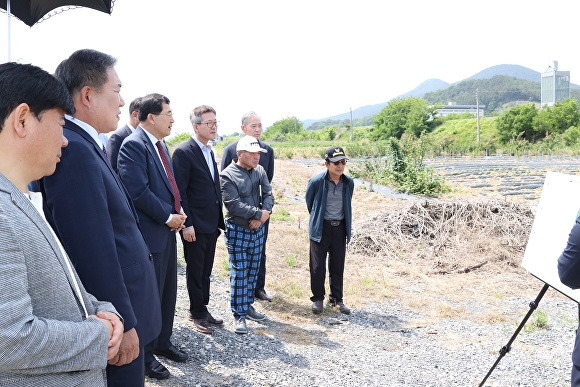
x=198, y=153
x=151, y=148
x=26, y=206
x=98, y=148
x=127, y=131
x=77, y=129
x=216, y=176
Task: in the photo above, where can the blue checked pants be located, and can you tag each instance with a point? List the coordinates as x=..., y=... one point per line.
x=245, y=250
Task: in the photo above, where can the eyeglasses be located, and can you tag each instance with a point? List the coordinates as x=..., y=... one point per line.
x=210, y=124
x=337, y=163
x=169, y=114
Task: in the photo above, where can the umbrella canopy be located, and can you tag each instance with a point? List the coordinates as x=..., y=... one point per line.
x=31, y=11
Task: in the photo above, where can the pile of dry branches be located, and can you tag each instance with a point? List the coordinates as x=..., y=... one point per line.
x=448, y=235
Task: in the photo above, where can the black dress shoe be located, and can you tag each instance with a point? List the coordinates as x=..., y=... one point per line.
x=262, y=295
x=156, y=370
x=202, y=325
x=212, y=320
x=172, y=353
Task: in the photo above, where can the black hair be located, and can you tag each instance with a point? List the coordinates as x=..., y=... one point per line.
x=26, y=83
x=152, y=104
x=135, y=105
x=85, y=68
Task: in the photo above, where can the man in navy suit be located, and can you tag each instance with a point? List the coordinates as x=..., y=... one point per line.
x=146, y=171
x=569, y=272
x=92, y=214
x=198, y=180
x=252, y=126
x=117, y=137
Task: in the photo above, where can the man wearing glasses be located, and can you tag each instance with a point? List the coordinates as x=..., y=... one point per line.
x=198, y=180
x=146, y=172
x=252, y=126
x=328, y=198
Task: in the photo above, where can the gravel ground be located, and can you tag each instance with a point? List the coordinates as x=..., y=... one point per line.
x=382, y=344
x=377, y=345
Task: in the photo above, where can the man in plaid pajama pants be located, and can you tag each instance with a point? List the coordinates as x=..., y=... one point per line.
x=247, y=196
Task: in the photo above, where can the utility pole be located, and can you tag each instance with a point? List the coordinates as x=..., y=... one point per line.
x=477, y=112
x=351, y=127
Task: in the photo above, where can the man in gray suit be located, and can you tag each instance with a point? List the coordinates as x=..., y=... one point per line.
x=53, y=332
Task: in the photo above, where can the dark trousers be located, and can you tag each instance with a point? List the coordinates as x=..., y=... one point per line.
x=199, y=256
x=130, y=375
x=261, y=282
x=166, y=273
x=333, y=243
x=575, y=382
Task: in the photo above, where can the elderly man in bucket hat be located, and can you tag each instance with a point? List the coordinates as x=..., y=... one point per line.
x=247, y=196
x=328, y=198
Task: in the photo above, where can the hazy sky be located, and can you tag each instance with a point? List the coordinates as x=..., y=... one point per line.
x=309, y=59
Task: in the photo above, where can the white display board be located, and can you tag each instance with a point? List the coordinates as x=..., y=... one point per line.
x=557, y=211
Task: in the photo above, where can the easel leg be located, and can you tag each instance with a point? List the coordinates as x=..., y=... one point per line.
x=507, y=347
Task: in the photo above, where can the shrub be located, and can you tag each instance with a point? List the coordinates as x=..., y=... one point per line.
x=403, y=167
x=571, y=135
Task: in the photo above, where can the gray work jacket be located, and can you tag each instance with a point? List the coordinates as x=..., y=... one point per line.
x=245, y=194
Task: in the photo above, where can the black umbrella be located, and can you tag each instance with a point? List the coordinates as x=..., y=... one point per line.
x=33, y=11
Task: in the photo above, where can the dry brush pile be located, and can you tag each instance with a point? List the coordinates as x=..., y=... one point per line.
x=448, y=236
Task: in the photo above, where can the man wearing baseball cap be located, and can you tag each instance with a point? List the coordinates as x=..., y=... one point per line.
x=247, y=196
x=252, y=126
x=328, y=198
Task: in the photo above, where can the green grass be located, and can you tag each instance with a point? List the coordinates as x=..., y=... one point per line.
x=460, y=136
x=225, y=268
x=295, y=291
x=454, y=136
x=540, y=321
x=291, y=260
x=282, y=214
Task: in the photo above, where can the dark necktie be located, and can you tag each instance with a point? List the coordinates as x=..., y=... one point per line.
x=172, y=183
x=105, y=152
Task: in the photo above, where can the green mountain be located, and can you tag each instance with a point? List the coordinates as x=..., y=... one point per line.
x=497, y=85
x=515, y=71
x=493, y=93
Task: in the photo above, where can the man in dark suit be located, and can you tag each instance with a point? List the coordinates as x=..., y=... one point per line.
x=117, y=137
x=93, y=216
x=145, y=169
x=53, y=332
x=198, y=180
x=252, y=126
x=569, y=272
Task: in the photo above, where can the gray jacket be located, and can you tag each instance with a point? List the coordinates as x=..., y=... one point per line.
x=44, y=337
x=245, y=194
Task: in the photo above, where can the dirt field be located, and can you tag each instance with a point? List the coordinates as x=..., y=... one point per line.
x=407, y=274
x=435, y=285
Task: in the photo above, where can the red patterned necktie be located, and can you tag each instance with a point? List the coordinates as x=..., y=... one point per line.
x=172, y=183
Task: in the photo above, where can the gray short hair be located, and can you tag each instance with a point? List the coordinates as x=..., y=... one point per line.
x=247, y=116
x=195, y=115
